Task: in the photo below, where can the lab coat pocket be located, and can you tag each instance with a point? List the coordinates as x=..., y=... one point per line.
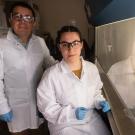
x=18, y=96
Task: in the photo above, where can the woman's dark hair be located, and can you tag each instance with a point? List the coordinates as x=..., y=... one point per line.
x=22, y=4
x=67, y=29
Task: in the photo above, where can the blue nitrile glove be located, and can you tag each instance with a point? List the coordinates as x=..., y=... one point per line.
x=80, y=112
x=105, y=106
x=7, y=117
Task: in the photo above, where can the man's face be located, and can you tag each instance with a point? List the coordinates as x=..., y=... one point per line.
x=22, y=22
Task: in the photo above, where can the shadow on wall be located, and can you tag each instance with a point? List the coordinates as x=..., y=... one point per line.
x=88, y=53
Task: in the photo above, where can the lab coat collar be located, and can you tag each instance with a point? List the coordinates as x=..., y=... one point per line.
x=11, y=36
x=65, y=68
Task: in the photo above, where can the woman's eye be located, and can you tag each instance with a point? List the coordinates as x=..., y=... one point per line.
x=75, y=43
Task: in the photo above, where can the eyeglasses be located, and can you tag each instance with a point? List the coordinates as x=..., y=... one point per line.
x=66, y=45
x=20, y=17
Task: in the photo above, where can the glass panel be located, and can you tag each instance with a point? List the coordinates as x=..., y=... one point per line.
x=115, y=51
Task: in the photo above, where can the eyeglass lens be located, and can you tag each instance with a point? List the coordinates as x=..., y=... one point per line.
x=67, y=45
x=20, y=17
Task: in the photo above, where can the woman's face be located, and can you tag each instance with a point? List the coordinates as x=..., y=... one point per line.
x=70, y=46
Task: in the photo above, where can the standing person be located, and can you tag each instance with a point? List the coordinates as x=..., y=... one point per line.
x=23, y=57
x=70, y=90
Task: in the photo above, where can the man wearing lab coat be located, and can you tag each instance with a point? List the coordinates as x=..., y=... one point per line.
x=23, y=57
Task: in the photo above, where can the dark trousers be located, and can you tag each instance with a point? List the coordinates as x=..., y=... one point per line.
x=42, y=130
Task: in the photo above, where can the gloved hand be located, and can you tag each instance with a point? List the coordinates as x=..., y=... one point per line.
x=105, y=106
x=80, y=113
x=7, y=117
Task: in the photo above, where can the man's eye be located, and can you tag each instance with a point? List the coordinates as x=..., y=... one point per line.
x=28, y=17
x=17, y=16
x=64, y=45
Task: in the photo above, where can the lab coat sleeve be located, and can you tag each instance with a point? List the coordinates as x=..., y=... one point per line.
x=48, y=59
x=4, y=107
x=47, y=103
x=98, y=94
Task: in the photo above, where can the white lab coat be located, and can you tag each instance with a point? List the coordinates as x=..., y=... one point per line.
x=122, y=75
x=20, y=72
x=60, y=92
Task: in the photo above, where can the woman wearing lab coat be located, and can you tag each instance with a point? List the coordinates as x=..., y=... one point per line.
x=70, y=91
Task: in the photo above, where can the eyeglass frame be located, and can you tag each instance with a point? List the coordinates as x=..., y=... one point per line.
x=25, y=18
x=68, y=45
